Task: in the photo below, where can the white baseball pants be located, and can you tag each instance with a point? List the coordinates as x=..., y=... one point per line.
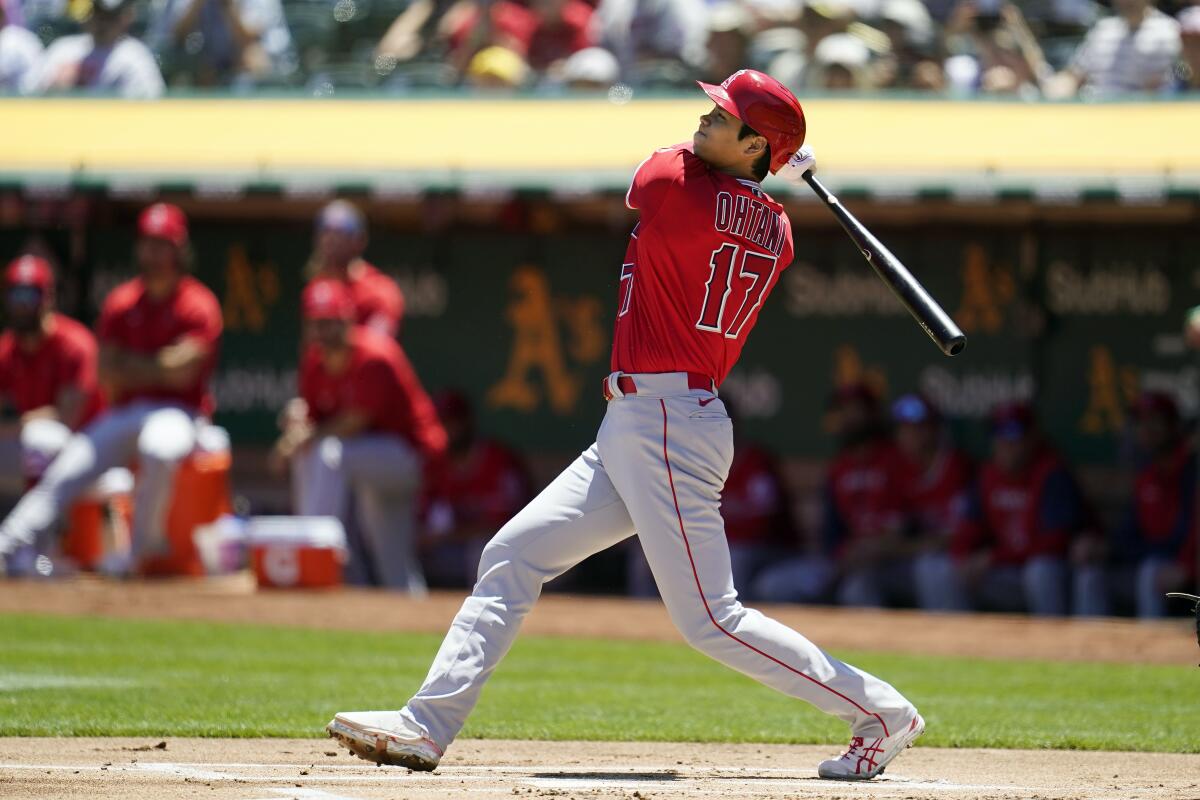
x=658, y=466
x=384, y=474
x=157, y=436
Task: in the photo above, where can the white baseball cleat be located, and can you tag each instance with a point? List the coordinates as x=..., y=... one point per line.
x=385, y=737
x=866, y=758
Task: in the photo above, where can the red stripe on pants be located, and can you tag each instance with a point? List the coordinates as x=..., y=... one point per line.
x=704, y=599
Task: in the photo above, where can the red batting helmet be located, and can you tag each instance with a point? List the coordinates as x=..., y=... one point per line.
x=766, y=105
x=30, y=271
x=164, y=221
x=326, y=298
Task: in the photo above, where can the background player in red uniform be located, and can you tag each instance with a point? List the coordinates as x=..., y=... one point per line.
x=481, y=486
x=1025, y=517
x=1156, y=544
x=367, y=429
x=340, y=239
x=158, y=336
x=707, y=250
x=936, y=481
x=47, y=368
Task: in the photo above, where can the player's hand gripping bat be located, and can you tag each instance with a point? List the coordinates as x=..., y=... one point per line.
x=925, y=310
x=1195, y=601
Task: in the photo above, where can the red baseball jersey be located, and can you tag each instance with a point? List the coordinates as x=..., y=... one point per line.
x=707, y=250
x=378, y=302
x=380, y=383
x=65, y=357
x=132, y=320
x=487, y=487
x=753, y=502
x=936, y=499
x=865, y=495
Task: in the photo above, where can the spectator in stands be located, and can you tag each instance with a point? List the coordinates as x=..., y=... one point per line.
x=1132, y=51
x=339, y=243
x=1156, y=546
x=497, y=68
x=911, y=61
x=362, y=425
x=222, y=42
x=1025, y=525
x=658, y=43
x=105, y=59
x=482, y=485
x=756, y=509
x=729, y=32
x=1001, y=54
x=937, y=478
x=158, y=336
x=841, y=62
x=47, y=368
x=563, y=28
x=1187, y=76
x=592, y=69
x=20, y=51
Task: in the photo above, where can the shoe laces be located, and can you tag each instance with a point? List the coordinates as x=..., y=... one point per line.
x=852, y=750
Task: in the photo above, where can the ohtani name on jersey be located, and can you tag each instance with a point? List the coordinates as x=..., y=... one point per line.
x=751, y=219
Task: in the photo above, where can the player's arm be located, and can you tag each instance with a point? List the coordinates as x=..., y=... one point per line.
x=175, y=366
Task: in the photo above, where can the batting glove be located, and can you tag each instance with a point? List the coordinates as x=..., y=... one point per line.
x=803, y=160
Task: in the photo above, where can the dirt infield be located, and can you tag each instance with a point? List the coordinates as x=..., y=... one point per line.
x=222, y=769
x=988, y=636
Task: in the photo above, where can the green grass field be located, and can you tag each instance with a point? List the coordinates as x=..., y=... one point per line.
x=101, y=677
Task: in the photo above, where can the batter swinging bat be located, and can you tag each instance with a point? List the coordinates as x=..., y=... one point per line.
x=925, y=310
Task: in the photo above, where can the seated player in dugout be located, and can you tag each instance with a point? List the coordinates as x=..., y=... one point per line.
x=363, y=430
x=48, y=364
x=158, y=335
x=756, y=507
x=482, y=485
x=708, y=248
x=1029, y=540
x=937, y=478
x=1155, y=546
x=339, y=241
x=863, y=519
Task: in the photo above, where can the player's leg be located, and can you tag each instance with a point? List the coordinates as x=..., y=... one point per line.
x=577, y=515
x=668, y=460
x=167, y=437
x=385, y=475
x=937, y=583
x=1045, y=584
x=1150, y=602
x=107, y=442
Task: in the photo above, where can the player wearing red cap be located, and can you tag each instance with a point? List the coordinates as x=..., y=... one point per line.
x=363, y=424
x=708, y=248
x=341, y=238
x=47, y=366
x=158, y=336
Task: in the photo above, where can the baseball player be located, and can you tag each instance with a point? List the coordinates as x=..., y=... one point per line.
x=341, y=238
x=158, y=336
x=363, y=424
x=47, y=366
x=706, y=252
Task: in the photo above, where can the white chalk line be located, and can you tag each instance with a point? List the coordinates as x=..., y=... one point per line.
x=570, y=776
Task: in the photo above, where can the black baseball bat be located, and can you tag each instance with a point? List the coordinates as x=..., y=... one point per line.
x=932, y=318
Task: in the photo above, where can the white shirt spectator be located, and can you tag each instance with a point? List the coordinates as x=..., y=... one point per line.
x=19, y=53
x=214, y=41
x=127, y=68
x=1114, y=58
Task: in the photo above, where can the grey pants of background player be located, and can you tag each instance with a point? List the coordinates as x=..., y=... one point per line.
x=383, y=472
x=156, y=436
x=658, y=466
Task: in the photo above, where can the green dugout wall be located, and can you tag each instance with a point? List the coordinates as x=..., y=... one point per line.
x=513, y=300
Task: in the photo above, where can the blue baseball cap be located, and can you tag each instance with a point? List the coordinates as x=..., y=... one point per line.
x=343, y=217
x=913, y=409
x=1012, y=420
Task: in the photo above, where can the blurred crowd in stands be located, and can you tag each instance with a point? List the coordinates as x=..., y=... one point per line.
x=1028, y=49
x=906, y=518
